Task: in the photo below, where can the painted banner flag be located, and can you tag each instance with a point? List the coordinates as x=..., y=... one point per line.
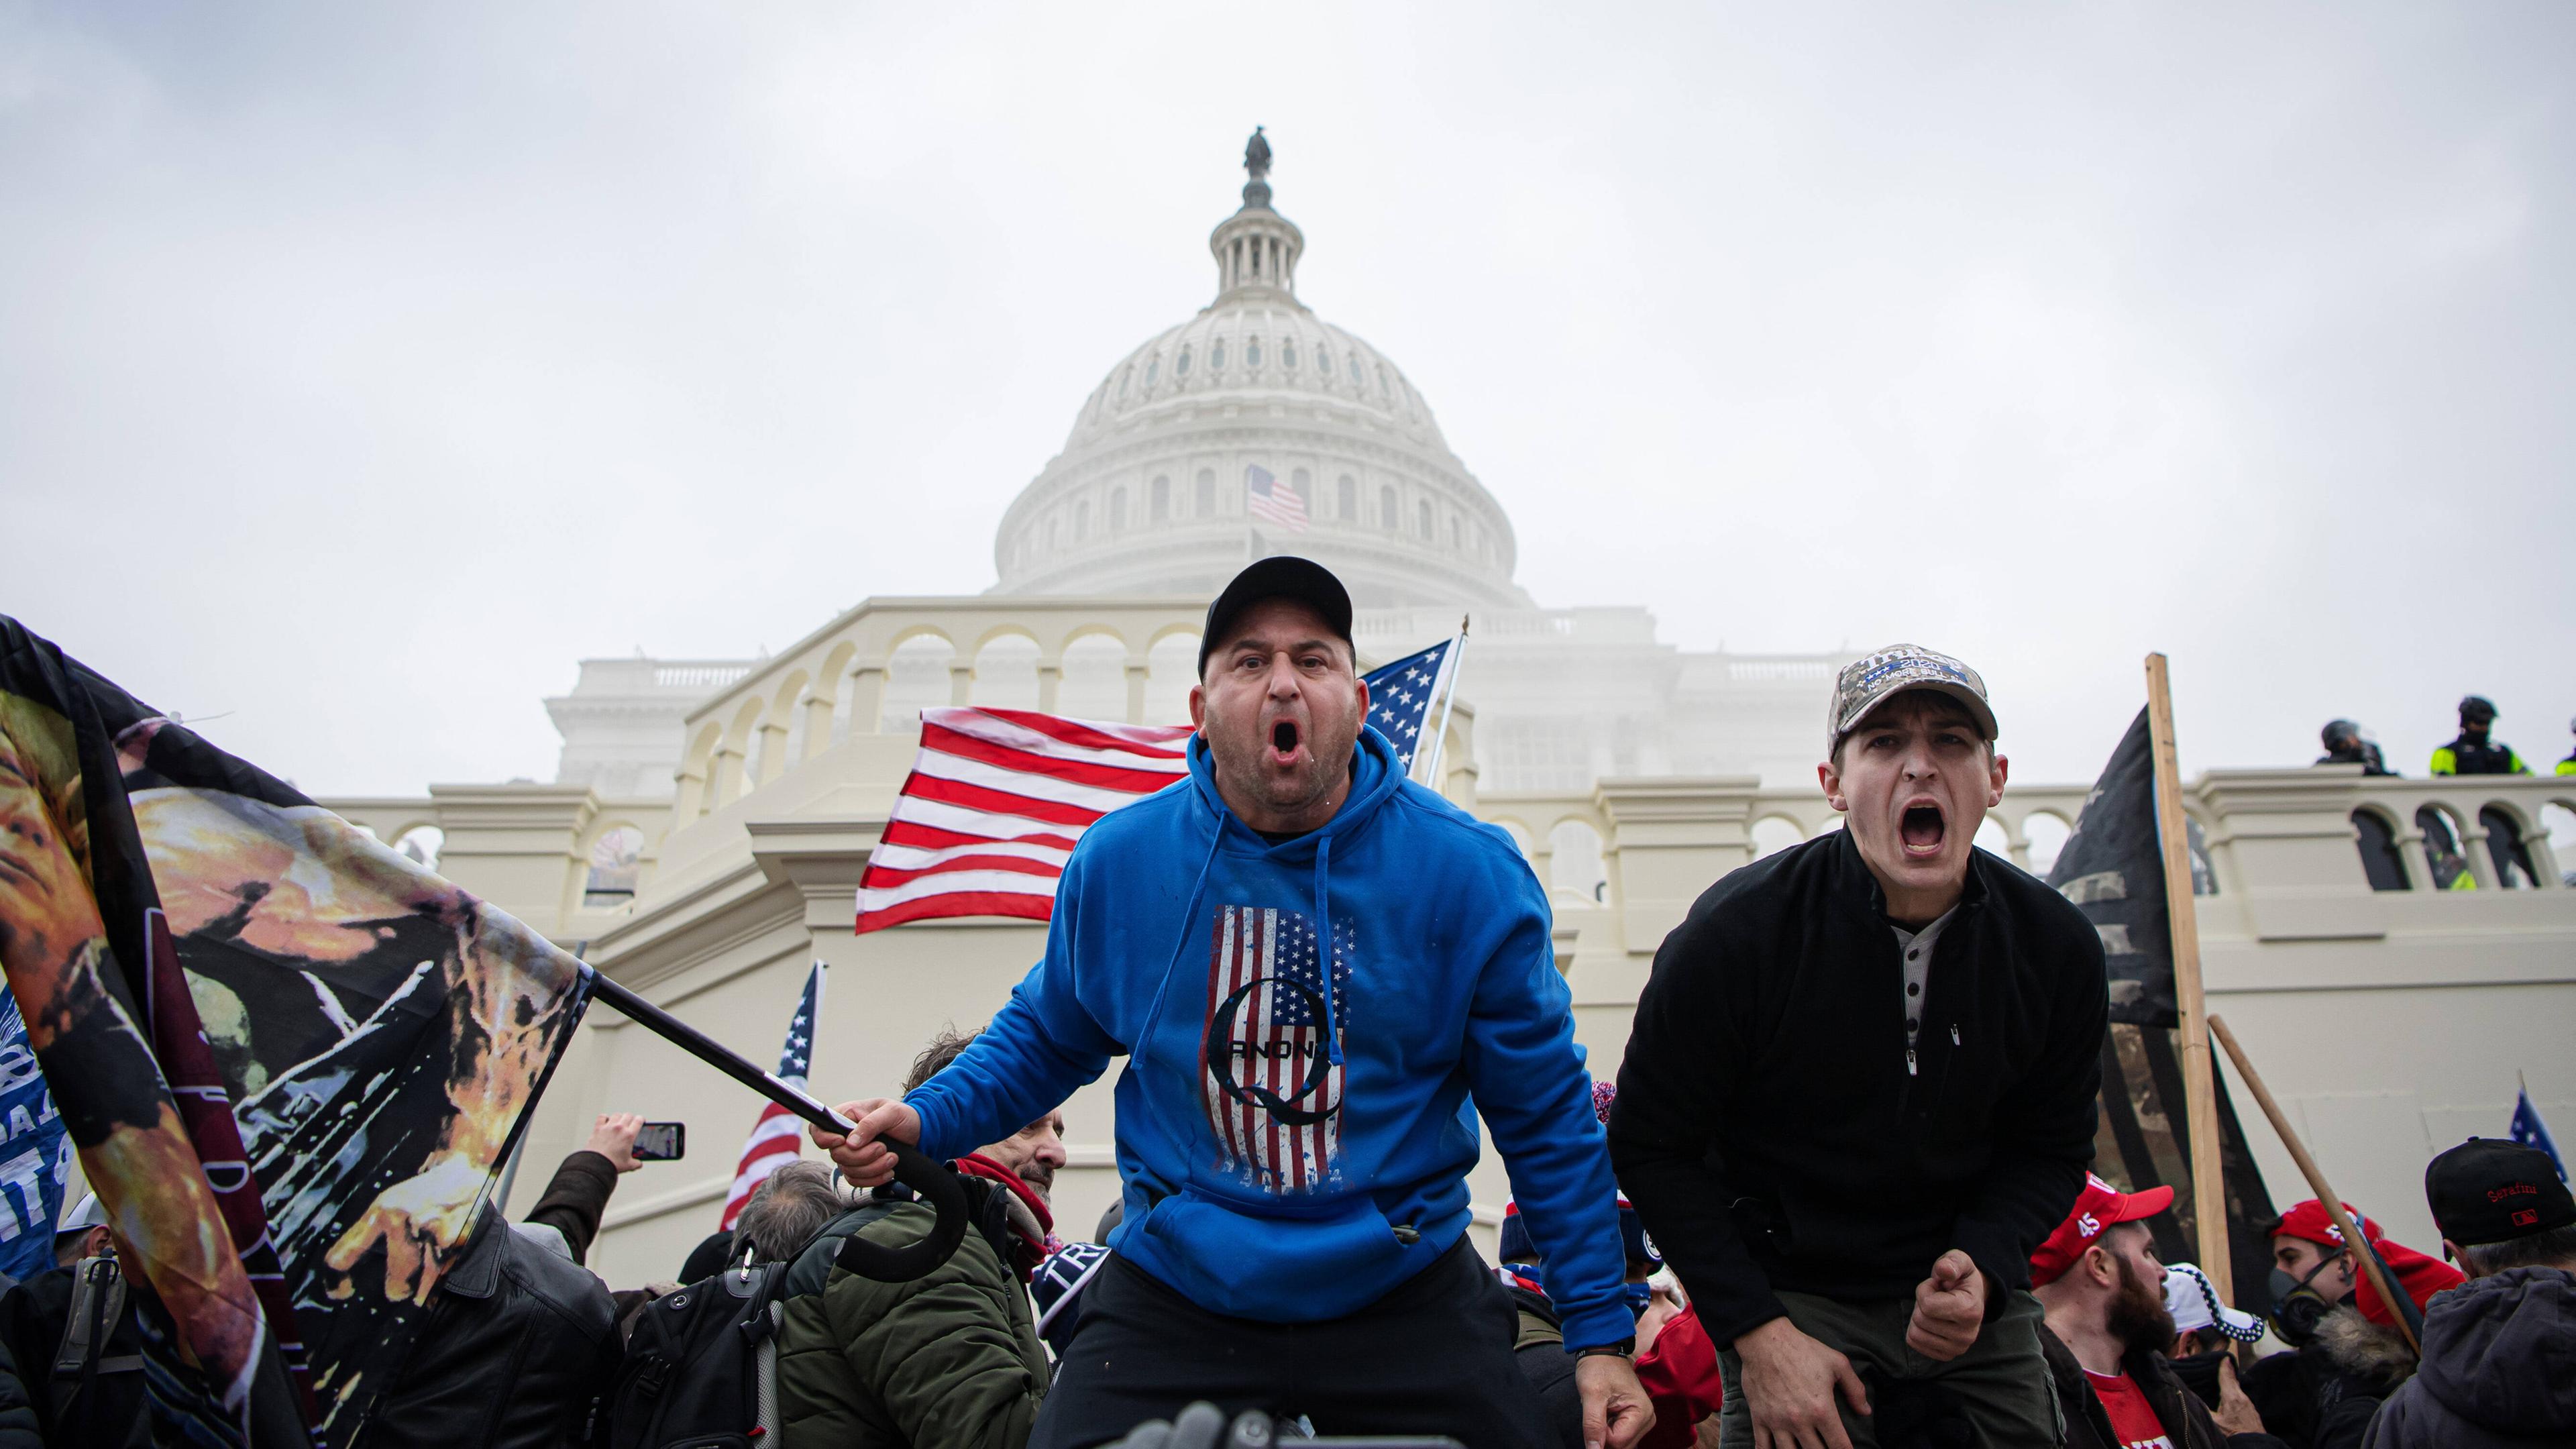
x=994, y=803
x=1273, y=1092
x=778, y=1135
x=1273, y=502
x=290, y=1058
x=1407, y=702
x=35, y=1155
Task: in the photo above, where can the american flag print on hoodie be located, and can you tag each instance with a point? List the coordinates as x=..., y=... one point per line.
x=1272, y=1092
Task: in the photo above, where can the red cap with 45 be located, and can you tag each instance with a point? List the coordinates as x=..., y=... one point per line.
x=2097, y=1208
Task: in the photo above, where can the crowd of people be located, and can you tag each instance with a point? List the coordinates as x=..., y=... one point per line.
x=1838, y=1197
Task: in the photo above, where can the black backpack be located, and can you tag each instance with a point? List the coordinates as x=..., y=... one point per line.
x=701, y=1369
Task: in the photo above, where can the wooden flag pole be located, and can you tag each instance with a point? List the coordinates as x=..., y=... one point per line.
x=2199, y=1090
x=2352, y=1234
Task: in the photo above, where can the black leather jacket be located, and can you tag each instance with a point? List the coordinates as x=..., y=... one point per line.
x=520, y=1343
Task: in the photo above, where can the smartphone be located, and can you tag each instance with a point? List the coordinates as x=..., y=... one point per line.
x=661, y=1141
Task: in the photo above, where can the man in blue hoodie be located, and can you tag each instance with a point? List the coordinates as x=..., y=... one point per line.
x=1320, y=974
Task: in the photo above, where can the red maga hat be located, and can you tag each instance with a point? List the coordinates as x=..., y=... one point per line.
x=2097, y=1208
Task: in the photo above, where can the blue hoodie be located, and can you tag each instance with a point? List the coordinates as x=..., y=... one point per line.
x=1274, y=1132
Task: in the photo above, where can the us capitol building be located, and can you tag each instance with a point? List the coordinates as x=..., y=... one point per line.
x=709, y=820
x=1147, y=500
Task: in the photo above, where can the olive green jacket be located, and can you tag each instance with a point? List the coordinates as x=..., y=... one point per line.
x=951, y=1360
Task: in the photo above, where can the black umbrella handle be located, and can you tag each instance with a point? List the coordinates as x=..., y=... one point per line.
x=936, y=1182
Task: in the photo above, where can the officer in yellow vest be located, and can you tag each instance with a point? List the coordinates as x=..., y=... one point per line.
x=2473, y=753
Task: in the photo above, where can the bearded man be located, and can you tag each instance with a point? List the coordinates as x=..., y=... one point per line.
x=2106, y=1330
x=1320, y=973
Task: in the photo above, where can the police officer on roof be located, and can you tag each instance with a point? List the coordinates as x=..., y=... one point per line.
x=2473, y=753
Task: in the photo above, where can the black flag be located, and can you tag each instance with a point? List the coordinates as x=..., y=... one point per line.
x=2113, y=869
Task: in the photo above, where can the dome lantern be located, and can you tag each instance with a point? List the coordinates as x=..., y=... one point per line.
x=1256, y=249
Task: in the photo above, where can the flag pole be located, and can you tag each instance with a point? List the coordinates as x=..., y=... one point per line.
x=2400, y=1307
x=1440, y=741
x=937, y=1185
x=2199, y=1088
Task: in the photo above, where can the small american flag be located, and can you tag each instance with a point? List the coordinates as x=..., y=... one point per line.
x=1267, y=499
x=1405, y=699
x=2530, y=1131
x=778, y=1134
x=994, y=804
x=1272, y=1092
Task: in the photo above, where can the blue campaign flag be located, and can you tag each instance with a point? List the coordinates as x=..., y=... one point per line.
x=1406, y=698
x=34, y=1153
x=2530, y=1131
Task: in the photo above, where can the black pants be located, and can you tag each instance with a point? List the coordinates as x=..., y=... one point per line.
x=1434, y=1356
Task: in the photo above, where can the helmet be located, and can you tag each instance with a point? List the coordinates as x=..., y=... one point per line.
x=2477, y=709
x=2340, y=733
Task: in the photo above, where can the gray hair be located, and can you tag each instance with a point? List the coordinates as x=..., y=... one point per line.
x=2555, y=1248
x=789, y=1207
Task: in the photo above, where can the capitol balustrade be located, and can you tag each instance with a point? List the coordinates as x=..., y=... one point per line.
x=875, y=668
x=2301, y=854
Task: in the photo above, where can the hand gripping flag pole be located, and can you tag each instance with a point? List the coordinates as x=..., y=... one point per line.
x=937, y=1185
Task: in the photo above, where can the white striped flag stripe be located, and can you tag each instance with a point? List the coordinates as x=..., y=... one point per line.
x=994, y=804
x=777, y=1136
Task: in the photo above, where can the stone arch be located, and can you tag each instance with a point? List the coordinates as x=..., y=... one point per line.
x=1994, y=837
x=1093, y=684
x=421, y=844
x=1171, y=669
x=1578, y=869
x=917, y=678
x=1774, y=833
x=1006, y=669
x=2044, y=833
x=2380, y=838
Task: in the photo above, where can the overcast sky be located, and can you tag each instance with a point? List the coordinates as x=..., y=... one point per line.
x=361, y=368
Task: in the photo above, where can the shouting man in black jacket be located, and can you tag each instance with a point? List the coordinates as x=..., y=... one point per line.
x=1860, y=1090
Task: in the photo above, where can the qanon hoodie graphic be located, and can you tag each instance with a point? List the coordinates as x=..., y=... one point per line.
x=1272, y=1090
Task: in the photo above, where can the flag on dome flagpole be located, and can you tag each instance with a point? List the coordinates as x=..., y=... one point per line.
x=1403, y=698
x=993, y=806
x=1274, y=503
x=776, y=1137
x=2530, y=1131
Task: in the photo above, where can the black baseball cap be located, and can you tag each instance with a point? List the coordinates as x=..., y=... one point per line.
x=1282, y=577
x=2491, y=1191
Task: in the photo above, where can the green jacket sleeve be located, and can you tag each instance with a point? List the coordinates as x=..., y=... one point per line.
x=946, y=1363
x=951, y=1360
x=2444, y=762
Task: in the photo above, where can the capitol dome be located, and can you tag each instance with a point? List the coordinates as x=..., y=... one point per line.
x=1148, y=495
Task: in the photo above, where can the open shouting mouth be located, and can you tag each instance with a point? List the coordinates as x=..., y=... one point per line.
x=1922, y=828
x=1286, y=742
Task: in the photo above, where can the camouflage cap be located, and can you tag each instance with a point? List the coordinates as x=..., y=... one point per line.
x=1867, y=682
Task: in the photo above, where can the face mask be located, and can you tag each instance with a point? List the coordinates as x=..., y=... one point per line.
x=1640, y=1296
x=2297, y=1306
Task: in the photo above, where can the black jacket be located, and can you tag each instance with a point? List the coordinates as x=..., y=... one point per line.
x=2324, y=1395
x=2499, y=1368
x=110, y=1412
x=518, y=1344
x=2185, y=1418
x=574, y=1200
x=1768, y=1128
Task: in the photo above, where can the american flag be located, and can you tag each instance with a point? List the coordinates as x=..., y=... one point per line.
x=1405, y=697
x=2530, y=1131
x=776, y=1137
x=995, y=801
x=1272, y=1094
x=1266, y=499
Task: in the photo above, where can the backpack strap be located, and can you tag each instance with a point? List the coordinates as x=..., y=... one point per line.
x=97, y=1307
